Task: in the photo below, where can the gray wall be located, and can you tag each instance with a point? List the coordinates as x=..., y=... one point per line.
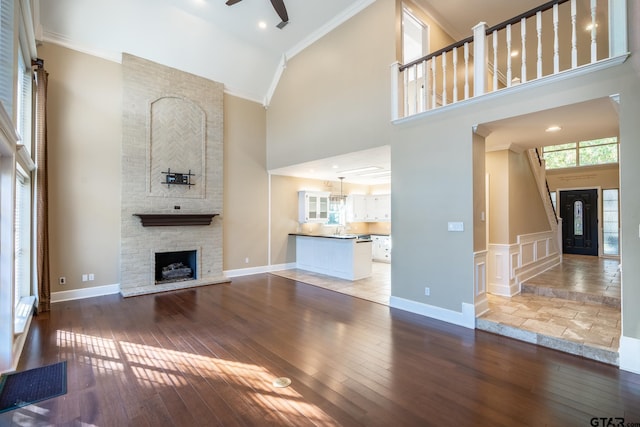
x=421, y=181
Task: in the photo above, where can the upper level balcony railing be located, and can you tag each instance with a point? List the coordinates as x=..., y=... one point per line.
x=553, y=38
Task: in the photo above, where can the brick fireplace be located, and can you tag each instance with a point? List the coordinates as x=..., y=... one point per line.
x=172, y=159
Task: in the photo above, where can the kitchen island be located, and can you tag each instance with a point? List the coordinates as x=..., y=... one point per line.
x=343, y=256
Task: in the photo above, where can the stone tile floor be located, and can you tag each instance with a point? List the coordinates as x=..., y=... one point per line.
x=586, y=329
x=573, y=307
x=580, y=278
x=376, y=288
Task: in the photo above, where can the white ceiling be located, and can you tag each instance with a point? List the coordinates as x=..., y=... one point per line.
x=225, y=44
x=367, y=167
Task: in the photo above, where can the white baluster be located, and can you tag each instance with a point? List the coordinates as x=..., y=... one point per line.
x=556, y=48
x=509, y=55
x=539, y=32
x=594, y=46
x=395, y=81
x=455, y=74
x=523, y=35
x=444, y=78
x=434, y=86
x=426, y=86
x=466, y=71
x=574, y=37
x=425, y=83
x=406, y=92
x=495, y=60
x=416, y=90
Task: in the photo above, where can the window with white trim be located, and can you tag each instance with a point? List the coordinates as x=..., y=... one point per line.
x=611, y=222
x=22, y=226
x=584, y=153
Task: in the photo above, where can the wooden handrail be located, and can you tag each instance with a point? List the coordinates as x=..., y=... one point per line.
x=500, y=26
x=437, y=53
x=527, y=14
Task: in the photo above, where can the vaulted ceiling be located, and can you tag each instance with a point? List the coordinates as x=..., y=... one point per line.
x=226, y=44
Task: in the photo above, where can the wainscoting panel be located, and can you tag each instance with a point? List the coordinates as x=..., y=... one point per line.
x=510, y=265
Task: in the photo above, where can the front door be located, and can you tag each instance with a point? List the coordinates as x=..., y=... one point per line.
x=579, y=213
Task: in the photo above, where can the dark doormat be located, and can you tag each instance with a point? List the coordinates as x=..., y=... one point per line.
x=34, y=385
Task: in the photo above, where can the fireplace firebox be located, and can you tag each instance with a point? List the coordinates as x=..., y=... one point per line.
x=175, y=266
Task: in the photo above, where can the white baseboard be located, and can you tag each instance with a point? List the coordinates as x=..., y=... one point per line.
x=95, y=291
x=257, y=270
x=466, y=318
x=629, y=354
x=504, y=290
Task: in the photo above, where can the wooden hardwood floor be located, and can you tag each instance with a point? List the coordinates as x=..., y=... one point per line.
x=208, y=356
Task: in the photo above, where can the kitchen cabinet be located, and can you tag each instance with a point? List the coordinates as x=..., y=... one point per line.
x=313, y=206
x=380, y=210
x=381, y=248
x=357, y=208
x=369, y=208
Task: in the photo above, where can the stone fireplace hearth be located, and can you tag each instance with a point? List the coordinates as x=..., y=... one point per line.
x=172, y=159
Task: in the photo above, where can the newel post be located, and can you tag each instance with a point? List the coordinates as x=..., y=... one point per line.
x=617, y=28
x=480, y=59
x=395, y=87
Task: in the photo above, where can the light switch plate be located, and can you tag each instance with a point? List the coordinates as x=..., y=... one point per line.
x=455, y=226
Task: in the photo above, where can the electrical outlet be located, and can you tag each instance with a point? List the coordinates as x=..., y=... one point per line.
x=246, y=260
x=91, y=276
x=62, y=280
x=427, y=291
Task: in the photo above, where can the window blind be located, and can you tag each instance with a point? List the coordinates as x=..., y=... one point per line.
x=23, y=108
x=6, y=55
x=22, y=226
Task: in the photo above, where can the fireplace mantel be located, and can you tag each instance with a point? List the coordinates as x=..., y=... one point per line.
x=157, y=220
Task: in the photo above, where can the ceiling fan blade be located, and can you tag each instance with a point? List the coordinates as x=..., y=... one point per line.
x=232, y=2
x=281, y=10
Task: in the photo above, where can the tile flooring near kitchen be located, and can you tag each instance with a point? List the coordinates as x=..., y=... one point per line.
x=573, y=307
x=376, y=288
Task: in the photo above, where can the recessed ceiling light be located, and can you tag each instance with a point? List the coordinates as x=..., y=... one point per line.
x=590, y=27
x=262, y=25
x=515, y=53
x=334, y=167
x=553, y=128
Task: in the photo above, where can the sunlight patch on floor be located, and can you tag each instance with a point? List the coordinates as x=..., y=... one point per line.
x=155, y=367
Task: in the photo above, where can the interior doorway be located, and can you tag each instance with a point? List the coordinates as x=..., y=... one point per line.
x=579, y=212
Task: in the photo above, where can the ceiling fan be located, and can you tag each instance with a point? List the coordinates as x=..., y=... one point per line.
x=279, y=7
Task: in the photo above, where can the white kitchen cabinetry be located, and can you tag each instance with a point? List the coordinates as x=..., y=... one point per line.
x=380, y=210
x=369, y=208
x=357, y=208
x=313, y=206
x=381, y=248
x=346, y=258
